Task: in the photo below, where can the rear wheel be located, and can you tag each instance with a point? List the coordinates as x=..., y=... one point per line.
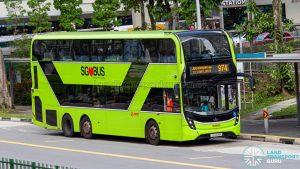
x=152, y=133
x=86, y=128
x=67, y=126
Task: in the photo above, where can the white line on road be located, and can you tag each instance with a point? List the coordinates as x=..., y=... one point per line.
x=197, y=158
x=56, y=141
x=112, y=155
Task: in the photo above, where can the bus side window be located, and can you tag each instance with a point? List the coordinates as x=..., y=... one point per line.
x=161, y=100
x=167, y=51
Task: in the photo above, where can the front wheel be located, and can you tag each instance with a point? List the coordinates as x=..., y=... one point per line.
x=152, y=133
x=86, y=128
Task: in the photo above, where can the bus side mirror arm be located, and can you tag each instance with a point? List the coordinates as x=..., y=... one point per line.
x=251, y=80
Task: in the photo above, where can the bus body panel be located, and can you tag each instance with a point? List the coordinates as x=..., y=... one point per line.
x=132, y=121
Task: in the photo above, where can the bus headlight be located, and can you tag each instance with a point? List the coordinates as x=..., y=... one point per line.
x=191, y=123
x=236, y=119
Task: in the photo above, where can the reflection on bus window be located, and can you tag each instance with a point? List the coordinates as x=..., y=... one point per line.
x=210, y=99
x=205, y=47
x=117, y=50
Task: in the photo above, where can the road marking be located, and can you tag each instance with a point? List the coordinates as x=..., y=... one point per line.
x=56, y=141
x=113, y=155
x=197, y=158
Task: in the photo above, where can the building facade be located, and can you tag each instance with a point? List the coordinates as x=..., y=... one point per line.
x=233, y=11
x=87, y=12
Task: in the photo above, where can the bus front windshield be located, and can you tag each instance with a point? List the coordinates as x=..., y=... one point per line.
x=209, y=99
x=203, y=47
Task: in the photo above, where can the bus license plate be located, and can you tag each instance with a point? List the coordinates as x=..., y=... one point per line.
x=216, y=135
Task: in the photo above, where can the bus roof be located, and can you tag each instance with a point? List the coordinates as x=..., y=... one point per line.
x=199, y=32
x=106, y=35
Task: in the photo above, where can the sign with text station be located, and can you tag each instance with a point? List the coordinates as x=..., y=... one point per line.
x=233, y=3
x=209, y=69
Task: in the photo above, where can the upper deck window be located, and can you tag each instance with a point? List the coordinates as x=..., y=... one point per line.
x=106, y=50
x=197, y=47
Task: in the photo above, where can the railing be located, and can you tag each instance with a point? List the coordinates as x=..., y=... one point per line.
x=6, y=163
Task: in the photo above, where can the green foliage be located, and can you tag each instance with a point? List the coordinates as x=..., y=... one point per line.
x=21, y=47
x=131, y=5
x=15, y=13
x=187, y=9
x=105, y=13
x=284, y=74
x=163, y=10
x=22, y=93
x=260, y=22
x=262, y=101
x=70, y=18
x=288, y=112
x=38, y=16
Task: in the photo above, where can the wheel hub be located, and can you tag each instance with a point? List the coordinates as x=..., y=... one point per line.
x=153, y=132
x=86, y=127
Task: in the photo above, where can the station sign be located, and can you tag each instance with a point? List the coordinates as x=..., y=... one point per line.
x=233, y=3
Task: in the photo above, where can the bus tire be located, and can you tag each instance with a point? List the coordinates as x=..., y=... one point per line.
x=152, y=133
x=67, y=126
x=86, y=127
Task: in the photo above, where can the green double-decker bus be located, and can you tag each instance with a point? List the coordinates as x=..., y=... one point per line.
x=157, y=85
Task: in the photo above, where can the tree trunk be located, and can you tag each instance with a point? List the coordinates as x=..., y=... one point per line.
x=277, y=14
x=5, y=101
x=150, y=7
x=175, y=16
x=143, y=17
x=168, y=9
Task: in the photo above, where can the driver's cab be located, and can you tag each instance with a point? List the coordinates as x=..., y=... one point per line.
x=201, y=46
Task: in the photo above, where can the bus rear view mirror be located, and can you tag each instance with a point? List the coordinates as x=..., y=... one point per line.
x=250, y=78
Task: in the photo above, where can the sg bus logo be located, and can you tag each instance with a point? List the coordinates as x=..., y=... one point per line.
x=92, y=71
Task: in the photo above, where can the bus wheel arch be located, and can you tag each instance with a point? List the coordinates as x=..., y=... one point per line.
x=86, y=129
x=67, y=125
x=152, y=132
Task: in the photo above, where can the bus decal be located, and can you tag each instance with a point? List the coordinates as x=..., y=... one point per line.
x=92, y=71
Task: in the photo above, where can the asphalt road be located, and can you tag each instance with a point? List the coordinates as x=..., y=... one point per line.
x=25, y=141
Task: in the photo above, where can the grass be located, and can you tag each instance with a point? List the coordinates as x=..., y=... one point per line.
x=290, y=111
x=260, y=103
x=6, y=114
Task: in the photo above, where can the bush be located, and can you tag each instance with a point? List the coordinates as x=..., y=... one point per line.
x=22, y=93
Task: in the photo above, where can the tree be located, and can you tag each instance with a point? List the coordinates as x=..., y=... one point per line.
x=70, y=18
x=5, y=101
x=136, y=6
x=38, y=16
x=257, y=23
x=187, y=9
x=105, y=13
x=15, y=13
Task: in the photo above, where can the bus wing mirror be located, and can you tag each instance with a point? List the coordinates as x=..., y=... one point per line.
x=176, y=91
x=251, y=80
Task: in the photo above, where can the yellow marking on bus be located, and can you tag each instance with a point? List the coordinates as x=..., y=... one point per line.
x=113, y=155
x=197, y=158
x=56, y=141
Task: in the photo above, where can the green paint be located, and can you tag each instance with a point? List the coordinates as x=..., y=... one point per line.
x=129, y=122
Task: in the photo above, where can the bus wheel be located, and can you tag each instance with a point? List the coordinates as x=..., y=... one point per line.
x=67, y=126
x=86, y=128
x=152, y=133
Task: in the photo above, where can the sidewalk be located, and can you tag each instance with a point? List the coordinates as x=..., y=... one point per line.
x=271, y=109
x=282, y=130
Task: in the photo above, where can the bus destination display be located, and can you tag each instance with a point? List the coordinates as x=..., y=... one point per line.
x=208, y=69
